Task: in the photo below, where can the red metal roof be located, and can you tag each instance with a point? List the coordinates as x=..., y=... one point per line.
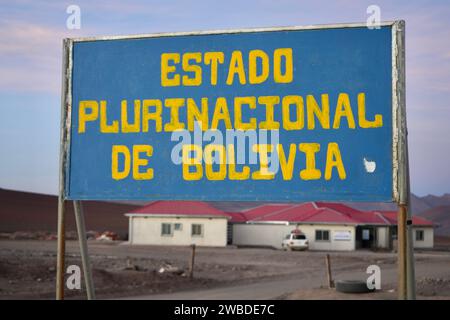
x=368, y=217
x=338, y=207
x=323, y=212
x=237, y=216
x=304, y=212
x=179, y=208
x=417, y=221
x=308, y=212
x=265, y=209
x=326, y=215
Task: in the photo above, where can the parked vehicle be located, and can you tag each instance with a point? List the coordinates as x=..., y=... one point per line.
x=295, y=241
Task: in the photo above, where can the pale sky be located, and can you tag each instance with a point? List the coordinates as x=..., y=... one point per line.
x=31, y=33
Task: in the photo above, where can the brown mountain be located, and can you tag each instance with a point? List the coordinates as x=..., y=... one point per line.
x=23, y=211
x=418, y=204
x=436, y=201
x=440, y=215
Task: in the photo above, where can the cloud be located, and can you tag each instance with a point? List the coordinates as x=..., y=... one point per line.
x=30, y=57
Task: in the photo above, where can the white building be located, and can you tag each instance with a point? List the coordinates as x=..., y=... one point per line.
x=327, y=226
x=178, y=223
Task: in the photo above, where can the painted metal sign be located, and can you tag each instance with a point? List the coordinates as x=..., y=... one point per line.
x=342, y=235
x=286, y=114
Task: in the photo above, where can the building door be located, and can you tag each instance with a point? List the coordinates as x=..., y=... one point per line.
x=365, y=237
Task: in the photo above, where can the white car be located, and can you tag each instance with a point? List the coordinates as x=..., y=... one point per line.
x=295, y=241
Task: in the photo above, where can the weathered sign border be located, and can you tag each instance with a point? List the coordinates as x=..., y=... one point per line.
x=398, y=91
x=400, y=162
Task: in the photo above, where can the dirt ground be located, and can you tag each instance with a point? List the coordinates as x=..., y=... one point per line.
x=27, y=270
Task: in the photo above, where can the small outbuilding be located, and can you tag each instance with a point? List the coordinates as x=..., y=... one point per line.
x=178, y=223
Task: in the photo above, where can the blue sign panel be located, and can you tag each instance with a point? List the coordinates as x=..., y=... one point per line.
x=272, y=115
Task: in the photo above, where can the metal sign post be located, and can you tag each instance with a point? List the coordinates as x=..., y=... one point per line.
x=78, y=209
x=81, y=232
x=65, y=115
x=61, y=249
x=81, y=229
x=406, y=273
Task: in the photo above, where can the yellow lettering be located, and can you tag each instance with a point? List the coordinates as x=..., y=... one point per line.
x=166, y=69
x=363, y=122
x=269, y=102
x=155, y=116
x=334, y=159
x=263, y=173
x=278, y=75
x=236, y=67
x=83, y=116
x=238, y=102
x=174, y=104
x=115, y=172
x=104, y=126
x=136, y=125
x=343, y=109
x=310, y=172
x=197, y=70
x=233, y=174
x=323, y=115
x=213, y=59
x=287, y=167
x=286, y=104
x=221, y=113
x=208, y=156
x=192, y=162
x=138, y=162
x=253, y=57
x=195, y=115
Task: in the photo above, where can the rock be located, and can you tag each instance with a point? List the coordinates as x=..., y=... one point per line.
x=171, y=269
x=4, y=235
x=107, y=236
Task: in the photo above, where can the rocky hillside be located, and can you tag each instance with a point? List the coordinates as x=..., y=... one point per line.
x=23, y=211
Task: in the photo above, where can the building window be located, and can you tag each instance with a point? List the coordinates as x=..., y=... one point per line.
x=322, y=235
x=419, y=235
x=178, y=226
x=166, y=229
x=197, y=230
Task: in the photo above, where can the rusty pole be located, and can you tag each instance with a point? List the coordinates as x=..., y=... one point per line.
x=191, y=265
x=64, y=136
x=61, y=250
x=406, y=272
x=402, y=252
x=81, y=230
x=329, y=277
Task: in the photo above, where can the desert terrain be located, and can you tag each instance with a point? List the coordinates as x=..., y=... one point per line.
x=27, y=271
x=28, y=259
